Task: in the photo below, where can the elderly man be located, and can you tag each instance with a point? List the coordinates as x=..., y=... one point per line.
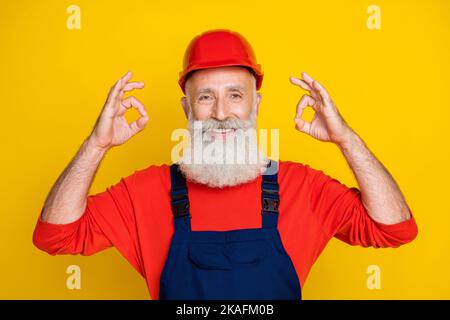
x=223, y=230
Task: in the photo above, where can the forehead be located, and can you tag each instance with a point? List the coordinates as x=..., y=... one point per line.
x=229, y=78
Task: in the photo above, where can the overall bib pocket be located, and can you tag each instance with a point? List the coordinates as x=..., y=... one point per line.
x=226, y=256
x=208, y=256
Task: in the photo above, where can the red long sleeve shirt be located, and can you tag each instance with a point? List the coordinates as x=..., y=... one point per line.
x=135, y=216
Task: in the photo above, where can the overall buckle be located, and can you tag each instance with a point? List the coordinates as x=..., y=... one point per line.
x=270, y=204
x=180, y=208
x=180, y=202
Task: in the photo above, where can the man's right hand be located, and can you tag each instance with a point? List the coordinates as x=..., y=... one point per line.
x=111, y=128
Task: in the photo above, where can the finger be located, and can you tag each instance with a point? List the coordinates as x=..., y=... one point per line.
x=133, y=85
x=114, y=91
x=302, y=84
x=299, y=82
x=138, y=124
x=129, y=87
x=323, y=93
x=302, y=125
x=308, y=79
x=304, y=102
x=141, y=122
x=123, y=81
x=127, y=77
x=317, y=87
x=135, y=103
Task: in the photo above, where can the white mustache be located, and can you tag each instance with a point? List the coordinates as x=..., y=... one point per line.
x=229, y=123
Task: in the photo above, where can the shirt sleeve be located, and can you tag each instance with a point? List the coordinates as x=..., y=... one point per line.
x=108, y=220
x=342, y=215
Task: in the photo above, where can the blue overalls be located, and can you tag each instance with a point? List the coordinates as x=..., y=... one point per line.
x=236, y=264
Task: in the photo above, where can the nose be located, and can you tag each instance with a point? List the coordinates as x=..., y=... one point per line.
x=220, y=110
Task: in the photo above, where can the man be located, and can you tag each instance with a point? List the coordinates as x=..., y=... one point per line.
x=216, y=229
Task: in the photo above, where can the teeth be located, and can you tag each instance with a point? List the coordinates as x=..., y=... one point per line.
x=222, y=130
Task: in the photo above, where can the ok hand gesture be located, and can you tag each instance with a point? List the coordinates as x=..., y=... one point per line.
x=111, y=128
x=327, y=124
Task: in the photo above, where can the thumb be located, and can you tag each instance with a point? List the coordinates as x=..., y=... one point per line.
x=302, y=125
x=139, y=124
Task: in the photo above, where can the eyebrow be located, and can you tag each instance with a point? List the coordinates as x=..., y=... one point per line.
x=230, y=88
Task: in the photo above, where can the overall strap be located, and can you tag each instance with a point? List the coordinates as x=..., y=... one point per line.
x=270, y=198
x=179, y=199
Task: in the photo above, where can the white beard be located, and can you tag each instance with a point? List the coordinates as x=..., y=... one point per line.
x=236, y=161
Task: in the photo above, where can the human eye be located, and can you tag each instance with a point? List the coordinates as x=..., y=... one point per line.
x=204, y=97
x=236, y=96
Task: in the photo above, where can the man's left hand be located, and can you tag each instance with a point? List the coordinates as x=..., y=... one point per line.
x=327, y=124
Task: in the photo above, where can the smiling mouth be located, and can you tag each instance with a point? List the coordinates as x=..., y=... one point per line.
x=222, y=133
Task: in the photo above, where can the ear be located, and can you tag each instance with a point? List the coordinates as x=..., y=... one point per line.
x=185, y=104
x=258, y=101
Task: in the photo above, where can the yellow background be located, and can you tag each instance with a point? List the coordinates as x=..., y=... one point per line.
x=391, y=86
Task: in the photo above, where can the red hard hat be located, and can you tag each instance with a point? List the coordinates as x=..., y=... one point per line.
x=219, y=48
